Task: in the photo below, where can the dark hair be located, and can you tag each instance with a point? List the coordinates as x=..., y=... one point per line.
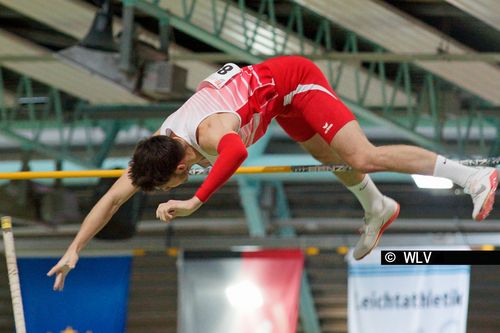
x=154, y=161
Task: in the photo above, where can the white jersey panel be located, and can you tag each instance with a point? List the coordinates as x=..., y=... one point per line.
x=231, y=97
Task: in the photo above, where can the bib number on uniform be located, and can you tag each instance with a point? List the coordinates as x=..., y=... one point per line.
x=220, y=78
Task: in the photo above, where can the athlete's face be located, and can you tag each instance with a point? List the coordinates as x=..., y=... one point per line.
x=178, y=178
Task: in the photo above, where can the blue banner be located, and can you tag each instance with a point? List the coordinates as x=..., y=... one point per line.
x=94, y=299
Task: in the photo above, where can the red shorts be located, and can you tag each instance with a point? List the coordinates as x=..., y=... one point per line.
x=310, y=105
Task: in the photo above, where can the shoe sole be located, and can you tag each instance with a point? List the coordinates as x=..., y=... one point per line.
x=490, y=199
x=385, y=226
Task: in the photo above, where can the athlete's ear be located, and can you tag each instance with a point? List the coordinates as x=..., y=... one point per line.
x=181, y=168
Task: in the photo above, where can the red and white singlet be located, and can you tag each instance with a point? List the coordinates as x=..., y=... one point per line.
x=290, y=89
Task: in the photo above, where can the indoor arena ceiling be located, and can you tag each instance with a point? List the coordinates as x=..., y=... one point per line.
x=413, y=71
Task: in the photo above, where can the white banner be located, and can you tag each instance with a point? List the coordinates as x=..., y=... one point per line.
x=410, y=299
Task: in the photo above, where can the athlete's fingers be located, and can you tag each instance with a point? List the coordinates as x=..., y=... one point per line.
x=59, y=267
x=168, y=216
x=166, y=211
x=59, y=282
x=53, y=270
x=162, y=213
x=63, y=266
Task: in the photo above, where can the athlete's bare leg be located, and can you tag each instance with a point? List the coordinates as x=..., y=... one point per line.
x=351, y=144
x=322, y=152
x=380, y=211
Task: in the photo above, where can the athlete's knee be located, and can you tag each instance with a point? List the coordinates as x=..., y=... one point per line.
x=364, y=161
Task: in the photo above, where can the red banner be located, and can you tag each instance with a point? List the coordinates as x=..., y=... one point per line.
x=277, y=273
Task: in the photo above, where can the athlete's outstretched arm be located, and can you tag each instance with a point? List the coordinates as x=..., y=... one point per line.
x=98, y=217
x=100, y=214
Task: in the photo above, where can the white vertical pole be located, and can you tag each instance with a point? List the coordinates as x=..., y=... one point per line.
x=15, y=286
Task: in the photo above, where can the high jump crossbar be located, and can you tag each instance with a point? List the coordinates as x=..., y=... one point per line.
x=23, y=175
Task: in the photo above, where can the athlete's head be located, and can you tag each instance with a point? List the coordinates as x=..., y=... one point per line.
x=156, y=163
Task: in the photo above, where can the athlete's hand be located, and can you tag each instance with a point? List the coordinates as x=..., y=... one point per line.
x=62, y=268
x=169, y=210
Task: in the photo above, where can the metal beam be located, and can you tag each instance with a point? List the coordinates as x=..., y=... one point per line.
x=493, y=57
x=73, y=18
x=27, y=58
x=156, y=241
x=249, y=193
x=484, y=10
x=308, y=314
x=59, y=73
x=330, y=226
x=112, y=130
x=189, y=20
x=130, y=111
x=257, y=33
x=193, y=30
x=477, y=78
x=391, y=125
x=54, y=153
x=307, y=307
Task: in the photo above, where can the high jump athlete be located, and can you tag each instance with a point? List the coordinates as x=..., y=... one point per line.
x=231, y=110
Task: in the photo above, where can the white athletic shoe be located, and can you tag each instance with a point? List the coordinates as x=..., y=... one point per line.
x=374, y=226
x=482, y=186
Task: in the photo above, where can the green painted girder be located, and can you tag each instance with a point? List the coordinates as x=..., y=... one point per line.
x=249, y=190
x=393, y=117
x=398, y=128
x=31, y=145
x=36, y=118
x=157, y=111
x=183, y=25
x=27, y=123
x=308, y=313
x=323, y=43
